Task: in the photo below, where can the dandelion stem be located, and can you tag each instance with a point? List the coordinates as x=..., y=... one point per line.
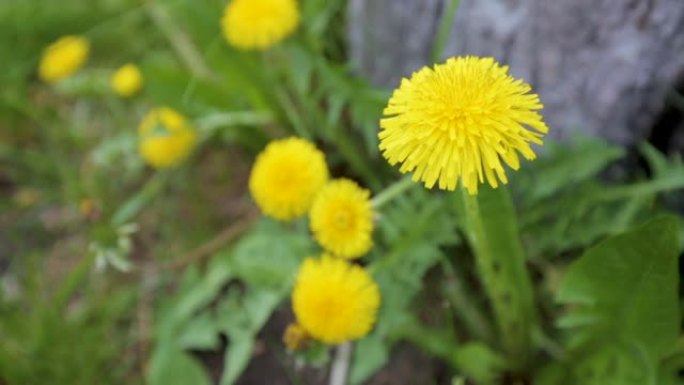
x=392, y=192
x=468, y=312
x=504, y=278
x=291, y=113
x=211, y=123
x=226, y=236
x=340, y=366
x=181, y=42
x=129, y=209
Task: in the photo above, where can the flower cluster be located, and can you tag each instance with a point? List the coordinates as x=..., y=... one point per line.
x=458, y=122
x=68, y=55
x=334, y=301
x=165, y=139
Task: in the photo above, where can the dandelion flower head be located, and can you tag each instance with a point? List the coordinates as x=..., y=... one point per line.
x=127, y=80
x=335, y=301
x=286, y=177
x=166, y=139
x=460, y=120
x=341, y=219
x=63, y=58
x=259, y=24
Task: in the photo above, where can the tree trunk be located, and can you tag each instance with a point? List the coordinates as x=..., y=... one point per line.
x=604, y=67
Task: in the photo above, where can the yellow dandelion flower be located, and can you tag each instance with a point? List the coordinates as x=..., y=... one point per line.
x=127, y=80
x=335, y=301
x=166, y=139
x=295, y=337
x=259, y=24
x=63, y=58
x=286, y=177
x=459, y=120
x=341, y=219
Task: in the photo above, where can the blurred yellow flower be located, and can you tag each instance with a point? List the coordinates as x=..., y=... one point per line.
x=259, y=24
x=165, y=137
x=295, y=337
x=335, y=301
x=63, y=58
x=459, y=120
x=341, y=219
x=286, y=177
x=127, y=80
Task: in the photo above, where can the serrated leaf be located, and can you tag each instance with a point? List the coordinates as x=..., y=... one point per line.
x=266, y=260
x=629, y=284
x=479, y=362
x=270, y=255
x=199, y=333
x=614, y=364
x=241, y=318
x=370, y=354
x=171, y=366
x=567, y=165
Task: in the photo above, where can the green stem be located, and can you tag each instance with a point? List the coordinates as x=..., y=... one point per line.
x=291, y=113
x=211, y=123
x=73, y=281
x=339, y=371
x=180, y=42
x=129, y=209
x=392, y=192
x=114, y=21
x=501, y=275
x=444, y=29
x=466, y=310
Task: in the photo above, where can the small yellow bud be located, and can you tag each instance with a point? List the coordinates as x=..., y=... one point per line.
x=295, y=337
x=127, y=80
x=63, y=58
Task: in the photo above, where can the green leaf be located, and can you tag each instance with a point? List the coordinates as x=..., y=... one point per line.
x=479, y=362
x=669, y=373
x=658, y=162
x=270, y=255
x=614, y=364
x=200, y=333
x=241, y=318
x=370, y=354
x=179, y=311
x=565, y=166
x=625, y=315
x=171, y=366
x=591, y=209
x=626, y=288
x=266, y=260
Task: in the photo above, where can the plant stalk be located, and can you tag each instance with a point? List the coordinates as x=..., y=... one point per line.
x=392, y=192
x=339, y=372
x=506, y=284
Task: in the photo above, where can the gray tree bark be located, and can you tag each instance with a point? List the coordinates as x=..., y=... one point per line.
x=603, y=67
